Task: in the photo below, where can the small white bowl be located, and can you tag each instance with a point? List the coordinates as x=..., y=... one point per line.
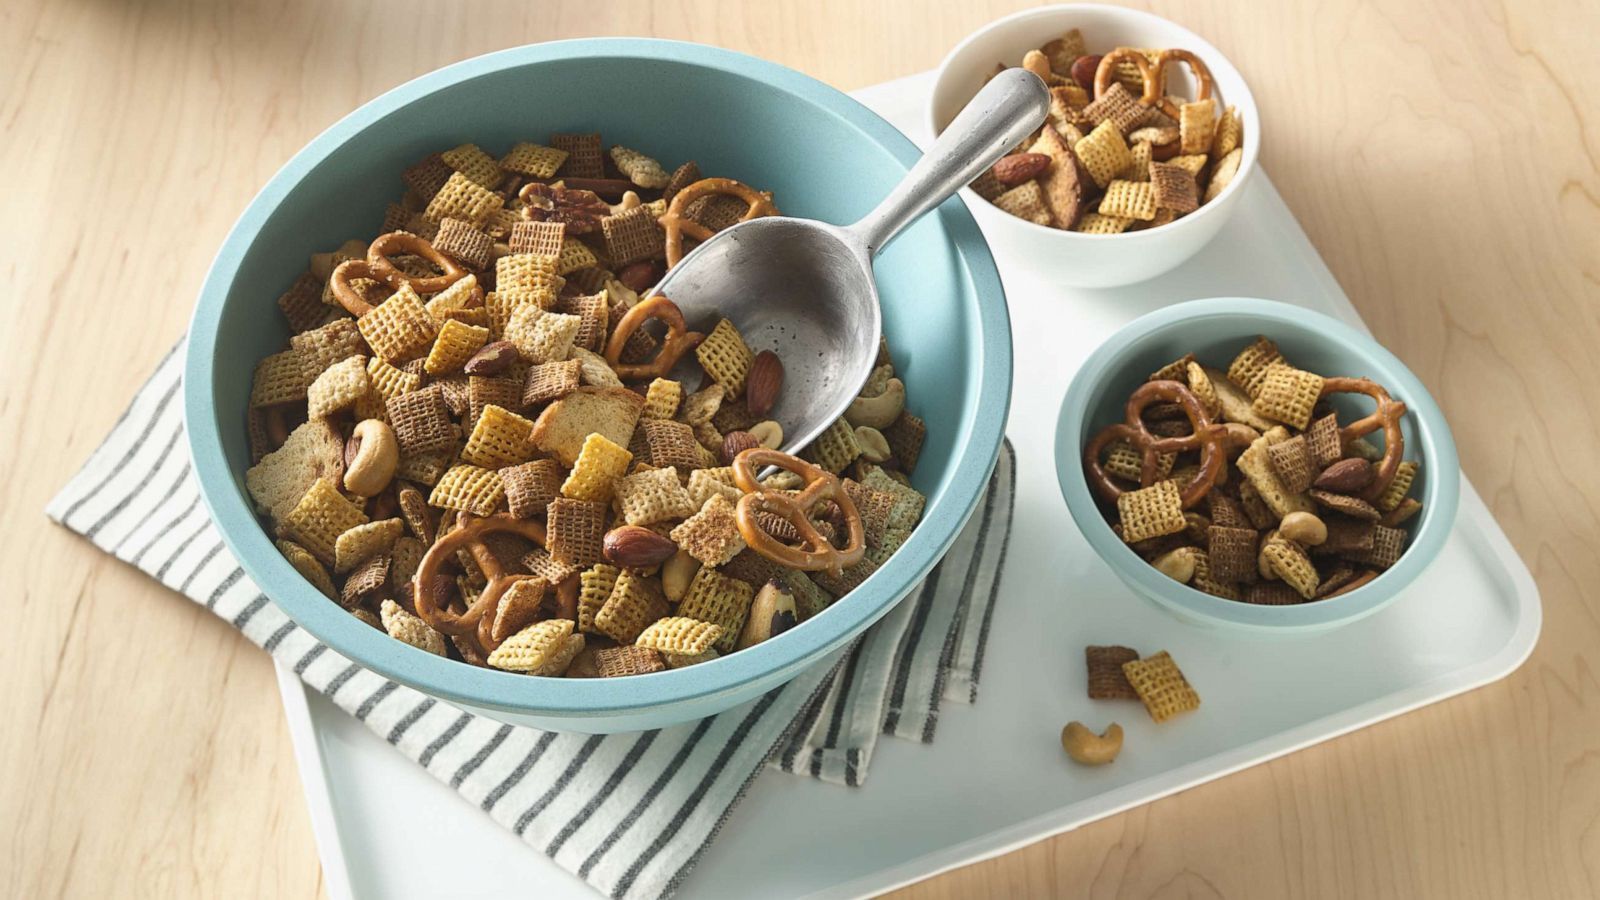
x=1068, y=257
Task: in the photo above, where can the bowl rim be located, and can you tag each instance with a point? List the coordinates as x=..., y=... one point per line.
x=974, y=454
x=1437, y=446
x=1246, y=104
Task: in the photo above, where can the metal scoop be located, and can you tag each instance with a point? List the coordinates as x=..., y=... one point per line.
x=805, y=289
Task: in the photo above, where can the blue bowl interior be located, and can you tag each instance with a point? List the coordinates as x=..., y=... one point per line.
x=1215, y=331
x=821, y=154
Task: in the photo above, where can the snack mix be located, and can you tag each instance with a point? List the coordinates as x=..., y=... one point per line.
x=1245, y=485
x=1117, y=153
x=473, y=440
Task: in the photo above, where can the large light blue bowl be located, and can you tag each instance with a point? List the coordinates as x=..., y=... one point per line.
x=822, y=154
x=1215, y=330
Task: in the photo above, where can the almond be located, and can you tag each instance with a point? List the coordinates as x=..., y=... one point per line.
x=636, y=547
x=1019, y=167
x=640, y=276
x=492, y=359
x=1083, y=70
x=762, y=383
x=735, y=443
x=1345, y=476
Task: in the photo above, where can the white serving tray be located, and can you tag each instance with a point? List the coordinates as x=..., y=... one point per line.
x=995, y=779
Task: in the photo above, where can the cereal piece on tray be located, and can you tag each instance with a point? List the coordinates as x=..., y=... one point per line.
x=539, y=649
x=399, y=328
x=599, y=463
x=455, y=343
x=551, y=381
x=711, y=535
x=668, y=443
x=541, y=336
x=654, y=496
x=527, y=272
x=1106, y=679
x=281, y=378
x=428, y=176
x=1323, y=441
x=388, y=381
x=905, y=436
x=302, y=304
x=1229, y=134
x=705, y=483
x=1387, y=545
x=1354, y=507
x=531, y=486
x=661, y=399
x=468, y=488
x=1272, y=593
x=725, y=357
x=1151, y=512
x=484, y=391
x=720, y=600
x=575, y=255
x=365, y=580
x=1061, y=184
x=1232, y=552
x=846, y=581
x=1161, y=686
x=1235, y=404
x=425, y=468
x=1204, y=581
x=1140, y=156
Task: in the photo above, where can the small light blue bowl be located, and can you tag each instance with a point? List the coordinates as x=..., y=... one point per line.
x=1215, y=330
x=824, y=156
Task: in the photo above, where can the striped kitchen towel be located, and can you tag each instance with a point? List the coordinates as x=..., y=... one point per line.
x=628, y=813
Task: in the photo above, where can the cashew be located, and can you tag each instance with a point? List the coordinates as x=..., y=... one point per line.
x=1088, y=748
x=879, y=411
x=1304, y=528
x=768, y=434
x=630, y=200
x=1039, y=64
x=874, y=446
x=1263, y=564
x=1176, y=564
x=377, y=453
x=772, y=612
x=676, y=573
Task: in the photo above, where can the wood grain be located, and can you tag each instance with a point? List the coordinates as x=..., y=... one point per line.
x=1441, y=155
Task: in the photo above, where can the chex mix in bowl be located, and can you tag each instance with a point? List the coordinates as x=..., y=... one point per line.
x=1120, y=152
x=473, y=440
x=1243, y=482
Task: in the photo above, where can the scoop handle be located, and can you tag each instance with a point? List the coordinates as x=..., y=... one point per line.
x=1008, y=109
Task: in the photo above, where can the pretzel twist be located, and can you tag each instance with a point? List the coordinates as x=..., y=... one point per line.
x=679, y=339
x=815, y=553
x=1154, y=75
x=677, y=224
x=379, y=267
x=1386, y=415
x=1213, y=440
x=476, y=622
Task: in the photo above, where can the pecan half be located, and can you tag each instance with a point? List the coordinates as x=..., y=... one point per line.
x=580, y=211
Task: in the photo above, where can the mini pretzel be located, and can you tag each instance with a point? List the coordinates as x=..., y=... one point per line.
x=379, y=267
x=1211, y=439
x=1154, y=74
x=679, y=339
x=1386, y=415
x=815, y=552
x=476, y=620
x=677, y=225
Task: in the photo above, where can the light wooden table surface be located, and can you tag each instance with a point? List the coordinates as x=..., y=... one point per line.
x=1441, y=155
